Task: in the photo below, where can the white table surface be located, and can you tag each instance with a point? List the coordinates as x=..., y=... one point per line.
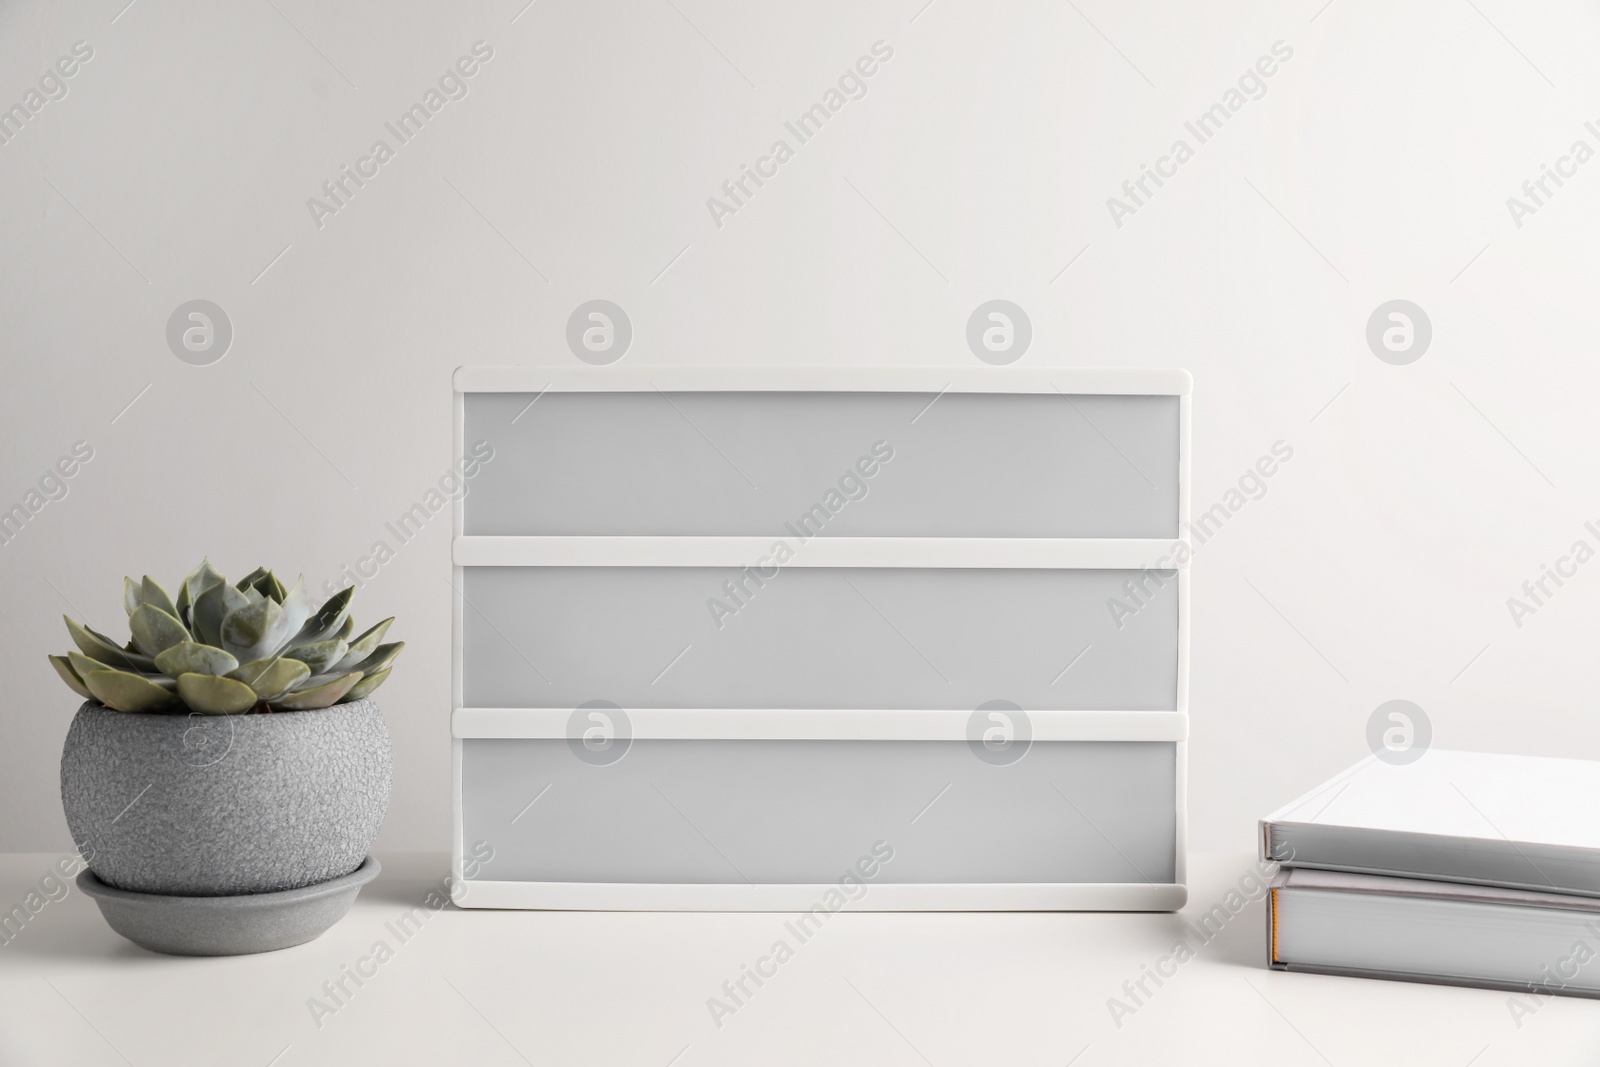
x=503, y=987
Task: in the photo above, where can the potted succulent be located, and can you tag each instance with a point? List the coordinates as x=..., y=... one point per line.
x=228, y=772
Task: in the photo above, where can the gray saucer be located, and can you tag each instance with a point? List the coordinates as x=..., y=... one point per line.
x=228, y=925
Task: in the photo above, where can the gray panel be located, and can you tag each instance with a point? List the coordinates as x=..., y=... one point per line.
x=971, y=465
x=817, y=638
x=805, y=811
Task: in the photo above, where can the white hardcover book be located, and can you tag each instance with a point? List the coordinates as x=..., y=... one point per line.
x=1331, y=922
x=1522, y=822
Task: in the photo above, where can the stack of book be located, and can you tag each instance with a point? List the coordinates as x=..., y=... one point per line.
x=1462, y=868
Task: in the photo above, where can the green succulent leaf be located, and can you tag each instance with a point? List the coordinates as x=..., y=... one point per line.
x=271, y=678
x=214, y=695
x=255, y=631
x=297, y=606
x=152, y=594
x=320, y=655
x=381, y=658
x=316, y=680
x=102, y=648
x=269, y=586
x=126, y=692
x=155, y=630
x=362, y=646
x=132, y=655
x=250, y=579
x=189, y=657
x=322, y=695
x=84, y=664
x=368, y=684
x=199, y=580
x=211, y=607
x=64, y=668
x=146, y=592
x=327, y=619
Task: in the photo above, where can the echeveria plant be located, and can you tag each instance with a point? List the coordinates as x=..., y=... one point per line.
x=224, y=649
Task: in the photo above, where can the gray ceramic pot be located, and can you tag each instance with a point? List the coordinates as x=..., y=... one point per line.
x=212, y=805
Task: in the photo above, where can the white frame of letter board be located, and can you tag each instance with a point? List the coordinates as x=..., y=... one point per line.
x=724, y=723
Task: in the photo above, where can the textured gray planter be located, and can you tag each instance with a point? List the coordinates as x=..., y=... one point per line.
x=213, y=805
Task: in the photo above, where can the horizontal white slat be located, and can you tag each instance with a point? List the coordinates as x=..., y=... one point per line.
x=1006, y=552
x=796, y=724
x=629, y=896
x=822, y=379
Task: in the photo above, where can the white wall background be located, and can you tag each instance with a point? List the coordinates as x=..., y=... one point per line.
x=1376, y=166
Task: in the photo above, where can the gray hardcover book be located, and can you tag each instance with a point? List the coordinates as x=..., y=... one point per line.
x=1331, y=922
